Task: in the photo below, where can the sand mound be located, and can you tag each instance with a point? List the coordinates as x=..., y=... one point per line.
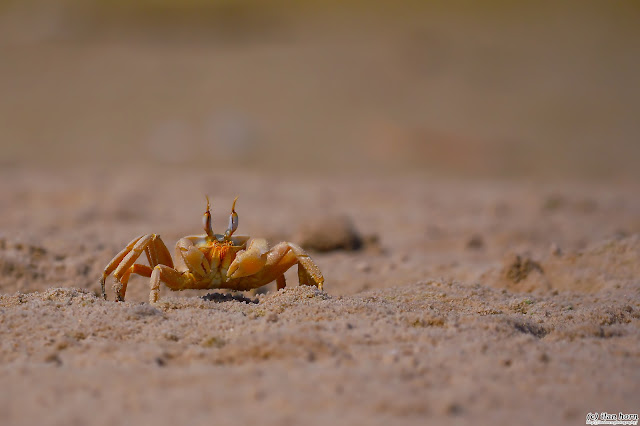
x=608, y=265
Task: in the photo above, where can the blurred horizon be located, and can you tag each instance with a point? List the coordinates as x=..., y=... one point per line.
x=498, y=90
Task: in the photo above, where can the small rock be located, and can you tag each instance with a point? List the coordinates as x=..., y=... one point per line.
x=453, y=408
x=329, y=233
x=53, y=358
x=517, y=268
x=475, y=242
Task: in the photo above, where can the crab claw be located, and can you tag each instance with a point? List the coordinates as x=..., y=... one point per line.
x=249, y=261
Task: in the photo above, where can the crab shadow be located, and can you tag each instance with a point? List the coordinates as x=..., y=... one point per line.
x=227, y=297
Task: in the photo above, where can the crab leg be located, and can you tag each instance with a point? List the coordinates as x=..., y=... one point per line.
x=158, y=253
x=281, y=282
x=121, y=287
x=308, y=271
x=123, y=263
x=285, y=254
x=115, y=262
x=173, y=279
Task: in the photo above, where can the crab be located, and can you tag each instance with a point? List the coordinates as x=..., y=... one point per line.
x=210, y=261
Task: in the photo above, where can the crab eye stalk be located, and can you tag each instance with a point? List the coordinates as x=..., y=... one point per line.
x=233, y=221
x=206, y=221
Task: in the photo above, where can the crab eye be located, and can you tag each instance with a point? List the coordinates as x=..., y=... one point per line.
x=206, y=222
x=233, y=223
x=233, y=220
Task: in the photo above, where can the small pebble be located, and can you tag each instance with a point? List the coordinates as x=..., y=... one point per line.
x=328, y=233
x=475, y=242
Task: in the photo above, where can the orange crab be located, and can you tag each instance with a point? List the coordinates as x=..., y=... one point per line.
x=210, y=261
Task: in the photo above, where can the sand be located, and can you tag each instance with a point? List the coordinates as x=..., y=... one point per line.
x=466, y=177
x=485, y=302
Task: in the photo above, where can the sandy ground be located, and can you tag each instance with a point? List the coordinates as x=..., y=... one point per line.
x=481, y=302
x=465, y=177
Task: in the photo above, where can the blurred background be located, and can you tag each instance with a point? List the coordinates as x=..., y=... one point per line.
x=474, y=89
